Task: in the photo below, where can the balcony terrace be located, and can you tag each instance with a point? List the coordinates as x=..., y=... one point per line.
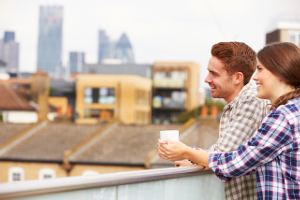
x=160, y=184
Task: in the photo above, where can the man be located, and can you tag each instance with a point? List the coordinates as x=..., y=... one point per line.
x=230, y=69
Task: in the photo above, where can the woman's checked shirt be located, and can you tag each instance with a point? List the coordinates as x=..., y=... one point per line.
x=273, y=152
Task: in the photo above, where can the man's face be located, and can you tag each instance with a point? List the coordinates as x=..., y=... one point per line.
x=221, y=84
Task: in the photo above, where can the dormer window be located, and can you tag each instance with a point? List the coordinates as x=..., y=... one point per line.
x=15, y=174
x=47, y=173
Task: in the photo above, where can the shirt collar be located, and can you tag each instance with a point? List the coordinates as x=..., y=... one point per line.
x=239, y=96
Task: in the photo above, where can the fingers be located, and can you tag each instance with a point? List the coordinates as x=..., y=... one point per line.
x=162, y=141
x=162, y=145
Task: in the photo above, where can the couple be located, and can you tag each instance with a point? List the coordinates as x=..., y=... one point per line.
x=272, y=151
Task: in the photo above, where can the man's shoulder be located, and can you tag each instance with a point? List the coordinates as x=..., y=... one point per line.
x=249, y=96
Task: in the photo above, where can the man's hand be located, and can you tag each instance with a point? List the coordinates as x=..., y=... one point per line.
x=182, y=163
x=173, y=152
x=186, y=162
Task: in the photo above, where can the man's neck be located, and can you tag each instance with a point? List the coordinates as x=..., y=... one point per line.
x=234, y=93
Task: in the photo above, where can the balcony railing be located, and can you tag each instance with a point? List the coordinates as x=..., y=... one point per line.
x=161, y=184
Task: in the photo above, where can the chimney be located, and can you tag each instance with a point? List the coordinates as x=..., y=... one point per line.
x=214, y=111
x=40, y=93
x=204, y=111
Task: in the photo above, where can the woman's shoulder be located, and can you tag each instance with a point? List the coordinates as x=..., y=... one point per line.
x=290, y=110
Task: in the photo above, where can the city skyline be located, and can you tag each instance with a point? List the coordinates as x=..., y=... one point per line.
x=108, y=49
x=49, y=52
x=76, y=60
x=160, y=30
x=9, y=52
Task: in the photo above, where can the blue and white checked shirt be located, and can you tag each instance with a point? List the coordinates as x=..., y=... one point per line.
x=273, y=152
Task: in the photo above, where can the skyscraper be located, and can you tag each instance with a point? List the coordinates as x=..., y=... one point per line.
x=9, y=52
x=124, y=50
x=9, y=36
x=76, y=62
x=121, y=50
x=50, y=39
x=105, y=46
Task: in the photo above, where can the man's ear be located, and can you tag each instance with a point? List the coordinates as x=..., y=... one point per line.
x=238, y=78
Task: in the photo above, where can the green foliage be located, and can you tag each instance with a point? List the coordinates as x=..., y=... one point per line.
x=185, y=116
x=51, y=89
x=209, y=102
x=1, y=117
x=220, y=105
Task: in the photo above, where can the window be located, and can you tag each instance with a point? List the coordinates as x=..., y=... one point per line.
x=15, y=174
x=141, y=97
x=294, y=37
x=101, y=95
x=97, y=113
x=142, y=117
x=46, y=173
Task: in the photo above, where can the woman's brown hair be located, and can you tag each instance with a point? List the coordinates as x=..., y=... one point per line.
x=283, y=60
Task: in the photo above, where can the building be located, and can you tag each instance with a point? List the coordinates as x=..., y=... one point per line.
x=60, y=89
x=121, y=50
x=106, y=48
x=284, y=32
x=16, y=105
x=76, y=62
x=49, y=58
x=144, y=70
x=124, y=50
x=175, y=90
x=9, y=36
x=9, y=52
x=2, y=67
x=102, y=97
x=53, y=150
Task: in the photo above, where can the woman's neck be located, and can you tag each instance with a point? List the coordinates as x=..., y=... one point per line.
x=284, y=89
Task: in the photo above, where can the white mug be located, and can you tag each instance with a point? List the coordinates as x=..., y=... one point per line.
x=169, y=135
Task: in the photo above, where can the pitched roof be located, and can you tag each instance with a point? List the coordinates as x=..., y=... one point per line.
x=12, y=99
x=8, y=131
x=49, y=143
x=127, y=144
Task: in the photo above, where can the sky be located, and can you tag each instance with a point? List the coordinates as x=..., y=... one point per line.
x=159, y=30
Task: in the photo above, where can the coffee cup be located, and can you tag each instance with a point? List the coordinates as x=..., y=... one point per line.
x=169, y=135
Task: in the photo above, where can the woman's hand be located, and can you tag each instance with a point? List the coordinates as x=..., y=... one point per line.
x=174, y=151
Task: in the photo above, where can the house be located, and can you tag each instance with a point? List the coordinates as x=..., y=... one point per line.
x=16, y=106
x=49, y=149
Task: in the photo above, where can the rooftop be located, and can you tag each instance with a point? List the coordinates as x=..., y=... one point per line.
x=50, y=143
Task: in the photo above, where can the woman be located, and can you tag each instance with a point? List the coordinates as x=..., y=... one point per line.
x=274, y=150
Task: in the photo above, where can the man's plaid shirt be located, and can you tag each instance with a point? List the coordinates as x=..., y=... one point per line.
x=274, y=152
x=239, y=121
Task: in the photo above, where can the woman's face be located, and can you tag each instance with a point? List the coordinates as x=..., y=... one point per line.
x=267, y=83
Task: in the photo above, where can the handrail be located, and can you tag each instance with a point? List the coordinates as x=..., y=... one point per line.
x=38, y=187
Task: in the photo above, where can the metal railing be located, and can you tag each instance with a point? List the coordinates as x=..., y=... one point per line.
x=166, y=183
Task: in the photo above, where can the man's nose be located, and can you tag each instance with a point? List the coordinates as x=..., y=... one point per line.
x=207, y=79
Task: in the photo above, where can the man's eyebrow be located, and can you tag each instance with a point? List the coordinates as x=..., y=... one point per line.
x=212, y=71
